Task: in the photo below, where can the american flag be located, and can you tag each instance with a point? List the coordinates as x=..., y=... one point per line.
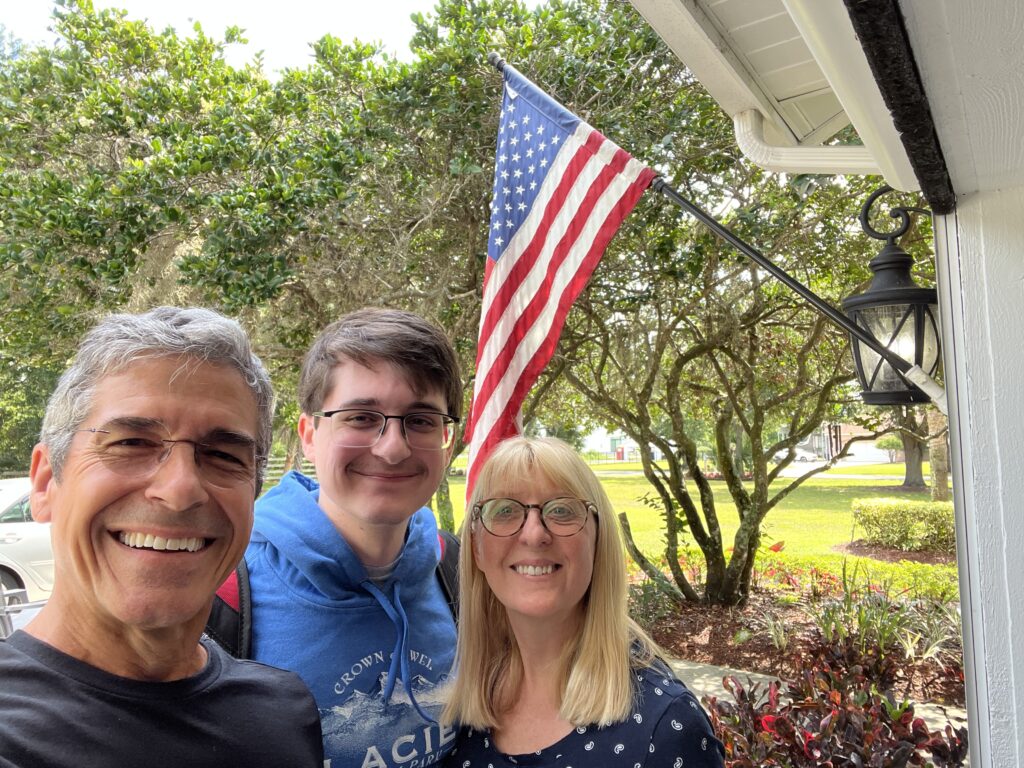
x=561, y=190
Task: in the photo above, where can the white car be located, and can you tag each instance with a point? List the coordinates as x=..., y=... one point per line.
x=26, y=557
x=799, y=454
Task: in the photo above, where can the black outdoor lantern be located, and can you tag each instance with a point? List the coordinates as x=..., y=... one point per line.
x=894, y=325
x=899, y=314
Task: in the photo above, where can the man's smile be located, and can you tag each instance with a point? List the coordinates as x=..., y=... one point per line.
x=139, y=540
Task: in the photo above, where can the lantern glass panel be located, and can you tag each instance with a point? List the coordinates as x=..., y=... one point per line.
x=893, y=325
x=929, y=359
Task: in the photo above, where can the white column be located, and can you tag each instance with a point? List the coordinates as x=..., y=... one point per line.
x=980, y=264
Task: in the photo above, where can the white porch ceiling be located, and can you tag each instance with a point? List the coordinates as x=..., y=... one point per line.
x=797, y=62
x=800, y=65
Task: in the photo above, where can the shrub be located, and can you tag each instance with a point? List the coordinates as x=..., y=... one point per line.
x=829, y=716
x=648, y=605
x=906, y=524
x=822, y=576
x=938, y=531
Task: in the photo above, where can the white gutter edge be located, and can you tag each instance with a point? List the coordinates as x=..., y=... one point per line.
x=749, y=128
x=826, y=29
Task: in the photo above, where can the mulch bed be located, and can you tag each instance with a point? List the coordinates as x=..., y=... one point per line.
x=863, y=548
x=736, y=636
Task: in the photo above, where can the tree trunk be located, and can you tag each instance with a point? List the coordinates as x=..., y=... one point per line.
x=737, y=456
x=913, y=450
x=652, y=572
x=938, y=454
x=726, y=588
x=731, y=586
x=445, y=513
x=293, y=451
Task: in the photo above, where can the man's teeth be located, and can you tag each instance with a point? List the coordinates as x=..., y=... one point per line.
x=535, y=570
x=149, y=541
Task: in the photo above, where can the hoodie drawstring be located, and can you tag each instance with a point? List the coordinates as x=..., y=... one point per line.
x=399, y=668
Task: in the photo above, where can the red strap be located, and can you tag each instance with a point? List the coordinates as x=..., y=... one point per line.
x=228, y=591
x=440, y=540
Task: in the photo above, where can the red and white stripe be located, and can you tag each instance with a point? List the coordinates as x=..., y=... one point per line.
x=590, y=188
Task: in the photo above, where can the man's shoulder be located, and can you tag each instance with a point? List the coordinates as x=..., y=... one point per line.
x=14, y=652
x=254, y=677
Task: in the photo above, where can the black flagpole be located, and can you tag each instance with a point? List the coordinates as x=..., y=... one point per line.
x=908, y=371
x=833, y=314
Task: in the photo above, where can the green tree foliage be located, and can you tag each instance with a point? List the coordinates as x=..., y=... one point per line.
x=139, y=168
x=23, y=393
x=890, y=444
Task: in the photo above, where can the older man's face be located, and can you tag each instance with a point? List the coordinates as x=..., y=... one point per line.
x=140, y=544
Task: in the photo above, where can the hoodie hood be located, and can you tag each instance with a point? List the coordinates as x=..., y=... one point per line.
x=301, y=544
x=316, y=611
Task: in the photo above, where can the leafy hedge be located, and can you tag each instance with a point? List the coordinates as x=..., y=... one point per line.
x=823, y=575
x=906, y=524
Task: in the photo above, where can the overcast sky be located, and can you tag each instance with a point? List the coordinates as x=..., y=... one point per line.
x=282, y=29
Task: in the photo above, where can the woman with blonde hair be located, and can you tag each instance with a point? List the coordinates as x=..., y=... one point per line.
x=550, y=669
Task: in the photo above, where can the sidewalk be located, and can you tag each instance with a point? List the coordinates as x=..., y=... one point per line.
x=706, y=680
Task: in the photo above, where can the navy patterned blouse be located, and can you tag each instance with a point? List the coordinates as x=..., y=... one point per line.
x=667, y=729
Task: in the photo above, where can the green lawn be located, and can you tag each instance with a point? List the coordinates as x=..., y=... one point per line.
x=811, y=520
x=896, y=469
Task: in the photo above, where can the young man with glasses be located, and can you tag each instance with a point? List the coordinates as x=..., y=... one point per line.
x=151, y=456
x=342, y=568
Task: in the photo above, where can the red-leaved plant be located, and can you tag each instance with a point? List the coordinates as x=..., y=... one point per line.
x=827, y=718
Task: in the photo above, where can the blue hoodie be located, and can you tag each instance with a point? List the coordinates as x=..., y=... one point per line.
x=374, y=657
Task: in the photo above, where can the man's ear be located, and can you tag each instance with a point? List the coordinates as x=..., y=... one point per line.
x=41, y=474
x=307, y=431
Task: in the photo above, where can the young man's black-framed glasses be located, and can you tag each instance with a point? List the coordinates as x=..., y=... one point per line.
x=362, y=428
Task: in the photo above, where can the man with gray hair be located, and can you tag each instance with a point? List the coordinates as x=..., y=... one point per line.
x=151, y=457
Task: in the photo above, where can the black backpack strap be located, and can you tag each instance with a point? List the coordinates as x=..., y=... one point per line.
x=230, y=622
x=448, y=570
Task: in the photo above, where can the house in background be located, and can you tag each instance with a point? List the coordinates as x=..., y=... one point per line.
x=935, y=89
x=615, y=446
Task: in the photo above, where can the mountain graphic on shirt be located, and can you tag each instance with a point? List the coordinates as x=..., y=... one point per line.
x=366, y=713
x=361, y=709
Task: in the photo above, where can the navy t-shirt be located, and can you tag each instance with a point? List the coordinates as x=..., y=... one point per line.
x=666, y=729
x=59, y=712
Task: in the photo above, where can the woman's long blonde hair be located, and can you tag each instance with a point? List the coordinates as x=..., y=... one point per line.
x=596, y=676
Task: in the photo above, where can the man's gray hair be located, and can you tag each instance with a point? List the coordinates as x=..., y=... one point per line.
x=117, y=341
